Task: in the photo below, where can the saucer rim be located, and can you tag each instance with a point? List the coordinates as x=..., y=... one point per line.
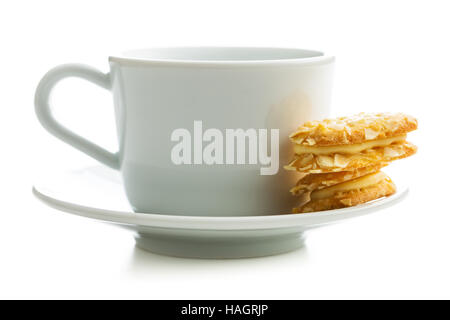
x=305, y=220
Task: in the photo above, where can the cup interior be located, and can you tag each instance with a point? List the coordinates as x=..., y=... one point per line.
x=220, y=54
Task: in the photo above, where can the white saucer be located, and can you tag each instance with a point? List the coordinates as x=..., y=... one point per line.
x=97, y=193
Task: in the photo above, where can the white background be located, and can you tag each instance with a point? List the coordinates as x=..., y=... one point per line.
x=391, y=56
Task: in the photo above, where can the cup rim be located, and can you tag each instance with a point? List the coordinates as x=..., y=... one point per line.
x=132, y=57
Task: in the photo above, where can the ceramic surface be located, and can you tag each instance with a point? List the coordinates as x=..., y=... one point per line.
x=159, y=90
x=97, y=193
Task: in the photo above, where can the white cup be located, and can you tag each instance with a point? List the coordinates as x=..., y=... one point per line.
x=165, y=96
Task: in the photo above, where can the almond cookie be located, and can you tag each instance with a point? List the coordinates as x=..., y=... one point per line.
x=353, y=130
x=311, y=182
x=336, y=162
x=350, y=193
x=340, y=159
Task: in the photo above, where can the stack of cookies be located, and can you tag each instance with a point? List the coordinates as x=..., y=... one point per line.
x=340, y=159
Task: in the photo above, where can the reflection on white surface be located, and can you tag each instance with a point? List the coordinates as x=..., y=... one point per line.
x=142, y=262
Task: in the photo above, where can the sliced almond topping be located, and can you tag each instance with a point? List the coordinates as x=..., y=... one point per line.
x=336, y=126
x=306, y=160
x=370, y=134
x=325, y=161
x=340, y=160
x=348, y=130
x=346, y=202
x=296, y=190
x=310, y=141
x=391, y=152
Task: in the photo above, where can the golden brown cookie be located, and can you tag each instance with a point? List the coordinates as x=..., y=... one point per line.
x=336, y=162
x=311, y=182
x=340, y=159
x=349, y=193
x=353, y=130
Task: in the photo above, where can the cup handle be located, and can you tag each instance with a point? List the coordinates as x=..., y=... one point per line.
x=44, y=114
